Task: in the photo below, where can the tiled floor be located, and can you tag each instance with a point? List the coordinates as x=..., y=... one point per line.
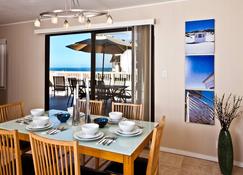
x=172, y=164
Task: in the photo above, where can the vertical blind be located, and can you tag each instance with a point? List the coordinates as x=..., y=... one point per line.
x=142, y=68
x=3, y=63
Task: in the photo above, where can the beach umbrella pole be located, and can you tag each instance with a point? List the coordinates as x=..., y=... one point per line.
x=103, y=62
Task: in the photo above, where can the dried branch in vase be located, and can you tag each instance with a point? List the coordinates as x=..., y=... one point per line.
x=227, y=109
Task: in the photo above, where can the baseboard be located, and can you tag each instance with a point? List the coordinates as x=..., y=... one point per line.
x=196, y=155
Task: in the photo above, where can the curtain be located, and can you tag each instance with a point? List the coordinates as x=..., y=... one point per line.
x=141, y=68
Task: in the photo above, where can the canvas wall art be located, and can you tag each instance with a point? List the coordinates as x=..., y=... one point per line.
x=199, y=71
x=200, y=37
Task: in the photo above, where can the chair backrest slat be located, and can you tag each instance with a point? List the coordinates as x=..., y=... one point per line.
x=130, y=111
x=11, y=111
x=95, y=106
x=153, y=159
x=52, y=157
x=10, y=161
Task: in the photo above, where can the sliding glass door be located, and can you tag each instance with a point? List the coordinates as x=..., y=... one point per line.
x=113, y=67
x=68, y=65
x=117, y=64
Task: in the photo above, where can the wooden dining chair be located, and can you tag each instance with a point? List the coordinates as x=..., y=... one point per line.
x=10, y=160
x=95, y=106
x=14, y=111
x=57, y=157
x=95, y=109
x=130, y=111
x=11, y=111
x=143, y=166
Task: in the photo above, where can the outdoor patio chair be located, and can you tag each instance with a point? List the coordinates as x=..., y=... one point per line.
x=72, y=85
x=123, y=95
x=101, y=92
x=59, y=84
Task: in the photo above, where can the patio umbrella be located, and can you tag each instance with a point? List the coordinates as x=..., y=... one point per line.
x=103, y=44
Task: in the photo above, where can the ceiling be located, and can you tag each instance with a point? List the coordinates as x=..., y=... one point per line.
x=12, y=11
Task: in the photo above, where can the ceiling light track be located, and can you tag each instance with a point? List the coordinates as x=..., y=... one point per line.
x=83, y=16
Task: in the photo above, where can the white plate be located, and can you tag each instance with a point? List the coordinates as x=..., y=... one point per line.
x=33, y=126
x=140, y=131
x=116, y=121
x=82, y=135
x=134, y=131
x=28, y=117
x=79, y=136
x=30, y=128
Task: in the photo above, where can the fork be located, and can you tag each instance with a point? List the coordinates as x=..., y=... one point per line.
x=107, y=140
x=55, y=130
x=111, y=141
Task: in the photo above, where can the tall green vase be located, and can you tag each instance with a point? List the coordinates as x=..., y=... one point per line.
x=225, y=152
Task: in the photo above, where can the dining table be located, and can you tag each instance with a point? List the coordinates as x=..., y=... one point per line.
x=123, y=150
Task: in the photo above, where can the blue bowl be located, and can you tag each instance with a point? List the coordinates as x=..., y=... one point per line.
x=63, y=117
x=101, y=121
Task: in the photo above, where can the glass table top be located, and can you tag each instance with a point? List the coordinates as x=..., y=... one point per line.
x=122, y=145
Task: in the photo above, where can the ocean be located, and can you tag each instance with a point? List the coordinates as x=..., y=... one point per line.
x=79, y=69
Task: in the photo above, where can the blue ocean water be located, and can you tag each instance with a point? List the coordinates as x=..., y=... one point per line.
x=77, y=69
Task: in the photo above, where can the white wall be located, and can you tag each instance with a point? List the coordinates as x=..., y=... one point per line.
x=26, y=68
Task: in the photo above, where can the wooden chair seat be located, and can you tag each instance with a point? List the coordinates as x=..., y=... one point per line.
x=27, y=164
x=140, y=166
x=24, y=146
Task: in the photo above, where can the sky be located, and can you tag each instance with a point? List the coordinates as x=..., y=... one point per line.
x=61, y=56
x=199, y=25
x=197, y=69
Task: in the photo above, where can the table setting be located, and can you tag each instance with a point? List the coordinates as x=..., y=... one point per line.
x=107, y=139
x=115, y=125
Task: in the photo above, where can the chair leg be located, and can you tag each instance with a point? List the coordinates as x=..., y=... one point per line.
x=72, y=101
x=97, y=163
x=68, y=99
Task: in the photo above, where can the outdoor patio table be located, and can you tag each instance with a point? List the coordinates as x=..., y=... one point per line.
x=113, y=90
x=125, y=150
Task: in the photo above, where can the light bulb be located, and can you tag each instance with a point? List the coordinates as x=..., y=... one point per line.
x=81, y=18
x=54, y=19
x=66, y=25
x=37, y=22
x=88, y=23
x=109, y=19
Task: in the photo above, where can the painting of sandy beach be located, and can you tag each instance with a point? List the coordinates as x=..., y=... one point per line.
x=200, y=37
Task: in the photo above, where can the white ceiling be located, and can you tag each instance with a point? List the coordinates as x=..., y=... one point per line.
x=12, y=11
